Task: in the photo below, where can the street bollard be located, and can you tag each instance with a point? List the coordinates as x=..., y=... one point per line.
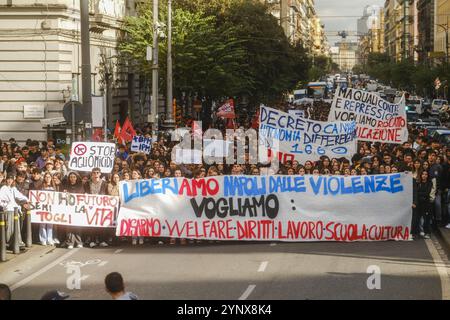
x=2, y=237
x=28, y=229
x=16, y=248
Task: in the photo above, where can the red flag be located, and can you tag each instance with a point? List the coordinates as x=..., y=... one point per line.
x=227, y=110
x=117, y=132
x=127, y=133
x=97, y=135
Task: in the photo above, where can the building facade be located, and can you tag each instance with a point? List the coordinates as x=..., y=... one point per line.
x=301, y=25
x=402, y=29
x=40, y=63
x=442, y=13
x=426, y=28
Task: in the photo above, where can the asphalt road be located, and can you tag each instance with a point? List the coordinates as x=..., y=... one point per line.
x=232, y=271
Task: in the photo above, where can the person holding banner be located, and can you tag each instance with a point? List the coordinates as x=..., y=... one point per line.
x=46, y=230
x=74, y=185
x=9, y=195
x=97, y=186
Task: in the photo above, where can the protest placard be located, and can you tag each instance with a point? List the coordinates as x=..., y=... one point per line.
x=266, y=208
x=84, y=210
x=86, y=156
x=295, y=138
x=141, y=144
x=377, y=120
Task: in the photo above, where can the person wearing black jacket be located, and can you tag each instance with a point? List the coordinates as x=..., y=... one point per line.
x=424, y=197
x=73, y=184
x=100, y=187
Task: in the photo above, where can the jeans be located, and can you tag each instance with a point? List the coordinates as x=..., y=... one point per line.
x=46, y=233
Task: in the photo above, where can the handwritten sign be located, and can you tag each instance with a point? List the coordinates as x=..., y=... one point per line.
x=296, y=138
x=266, y=208
x=377, y=120
x=69, y=209
x=141, y=144
x=86, y=156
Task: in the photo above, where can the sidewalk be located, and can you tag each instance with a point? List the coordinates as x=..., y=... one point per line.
x=35, y=251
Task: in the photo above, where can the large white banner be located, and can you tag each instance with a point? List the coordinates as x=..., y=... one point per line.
x=84, y=210
x=296, y=138
x=377, y=119
x=86, y=156
x=285, y=208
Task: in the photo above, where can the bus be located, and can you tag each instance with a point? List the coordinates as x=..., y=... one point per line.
x=318, y=90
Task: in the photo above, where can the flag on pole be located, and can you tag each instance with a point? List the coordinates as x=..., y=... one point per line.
x=117, y=132
x=127, y=133
x=226, y=111
x=97, y=136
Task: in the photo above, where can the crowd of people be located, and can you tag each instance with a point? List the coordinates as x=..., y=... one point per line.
x=44, y=166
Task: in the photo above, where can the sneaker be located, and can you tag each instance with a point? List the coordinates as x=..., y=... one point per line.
x=69, y=247
x=422, y=234
x=51, y=243
x=447, y=226
x=103, y=244
x=160, y=242
x=22, y=244
x=43, y=243
x=427, y=236
x=56, y=241
x=92, y=244
x=141, y=241
x=80, y=246
x=134, y=242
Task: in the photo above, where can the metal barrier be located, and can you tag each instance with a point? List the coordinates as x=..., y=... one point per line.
x=2, y=236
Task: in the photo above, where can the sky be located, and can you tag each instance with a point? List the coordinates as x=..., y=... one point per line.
x=339, y=15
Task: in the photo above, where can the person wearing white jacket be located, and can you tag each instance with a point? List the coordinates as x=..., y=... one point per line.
x=9, y=195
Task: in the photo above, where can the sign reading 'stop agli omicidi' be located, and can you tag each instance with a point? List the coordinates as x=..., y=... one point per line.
x=86, y=156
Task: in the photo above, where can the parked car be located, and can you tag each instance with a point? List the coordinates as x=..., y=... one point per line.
x=442, y=136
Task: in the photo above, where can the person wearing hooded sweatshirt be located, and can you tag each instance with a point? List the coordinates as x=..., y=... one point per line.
x=73, y=184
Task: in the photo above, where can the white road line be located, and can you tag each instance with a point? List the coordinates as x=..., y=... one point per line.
x=441, y=268
x=273, y=244
x=263, y=266
x=247, y=292
x=103, y=263
x=118, y=251
x=43, y=270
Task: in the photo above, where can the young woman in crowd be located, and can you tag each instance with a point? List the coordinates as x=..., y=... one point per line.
x=73, y=185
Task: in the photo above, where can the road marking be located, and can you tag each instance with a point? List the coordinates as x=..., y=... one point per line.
x=118, y=251
x=103, y=263
x=247, y=292
x=273, y=244
x=441, y=268
x=263, y=266
x=43, y=270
